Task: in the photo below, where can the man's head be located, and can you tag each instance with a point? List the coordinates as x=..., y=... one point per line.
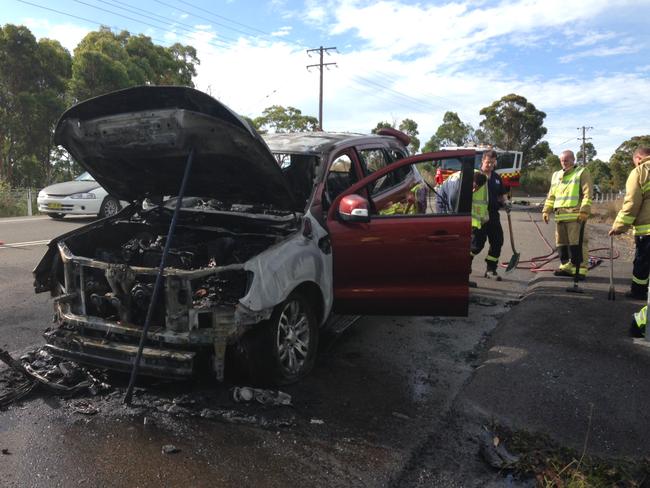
x=567, y=160
x=479, y=181
x=640, y=154
x=489, y=161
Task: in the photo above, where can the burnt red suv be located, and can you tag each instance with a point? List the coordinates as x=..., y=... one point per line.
x=274, y=235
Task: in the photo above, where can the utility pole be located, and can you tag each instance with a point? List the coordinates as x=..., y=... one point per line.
x=584, y=140
x=320, y=65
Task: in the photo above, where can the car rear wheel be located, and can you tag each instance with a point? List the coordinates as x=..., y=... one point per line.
x=282, y=350
x=110, y=206
x=56, y=216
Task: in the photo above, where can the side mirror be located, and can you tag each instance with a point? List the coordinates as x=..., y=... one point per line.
x=354, y=208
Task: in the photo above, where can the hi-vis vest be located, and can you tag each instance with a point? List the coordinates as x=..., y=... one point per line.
x=480, y=214
x=636, y=206
x=565, y=194
x=403, y=208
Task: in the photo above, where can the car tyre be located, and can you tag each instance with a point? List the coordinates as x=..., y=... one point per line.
x=282, y=350
x=56, y=216
x=110, y=206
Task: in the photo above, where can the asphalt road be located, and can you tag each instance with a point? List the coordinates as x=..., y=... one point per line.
x=378, y=393
x=23, y=314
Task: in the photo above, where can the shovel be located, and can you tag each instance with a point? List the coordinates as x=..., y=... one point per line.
x=611, y=294
x=514, y=260
x=575, y=288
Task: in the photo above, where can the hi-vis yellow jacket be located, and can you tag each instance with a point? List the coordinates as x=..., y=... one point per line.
x=570, y=194
x=636, y=206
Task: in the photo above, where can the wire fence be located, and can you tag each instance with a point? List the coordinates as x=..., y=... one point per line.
x=18, y=202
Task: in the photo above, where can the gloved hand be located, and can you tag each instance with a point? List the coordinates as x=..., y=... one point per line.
x=583, y=216
x=545, y=217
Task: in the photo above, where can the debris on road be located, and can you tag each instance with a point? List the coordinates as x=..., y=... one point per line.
x=6, y=452
x=170, y=449
x=483, y=301
x=85, y=408
x=402, y=416
x=242, y=394
x=317, y=421
x=494, y=451
x=39, y=368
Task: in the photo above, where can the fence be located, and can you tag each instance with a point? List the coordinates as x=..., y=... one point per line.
x=608, y=197
x=18, y=202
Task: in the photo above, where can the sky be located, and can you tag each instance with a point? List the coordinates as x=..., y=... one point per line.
x=584, y=63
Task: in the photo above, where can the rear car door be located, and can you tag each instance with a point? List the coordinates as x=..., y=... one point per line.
x=403, y=263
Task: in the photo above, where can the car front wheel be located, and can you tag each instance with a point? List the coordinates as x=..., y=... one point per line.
x=282, y=350
x=110, y=206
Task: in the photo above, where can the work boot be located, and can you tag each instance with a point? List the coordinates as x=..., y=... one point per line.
x=631, y=295
x=492, y=274
x=635, y=330
x=563, y=272
x=472, y=284
x=491, y=270
x=637, y=292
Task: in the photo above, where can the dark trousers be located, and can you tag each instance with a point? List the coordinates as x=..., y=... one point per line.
x=641, y=267
x=493, y=232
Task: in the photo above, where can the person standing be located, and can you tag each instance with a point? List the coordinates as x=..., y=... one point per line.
x=635, y=212
x=569, y=198
x=448, y=194
x=491, y=230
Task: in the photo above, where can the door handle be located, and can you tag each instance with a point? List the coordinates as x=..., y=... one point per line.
x=443, y=237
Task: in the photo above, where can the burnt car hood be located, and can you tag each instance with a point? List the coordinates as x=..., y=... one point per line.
x=135, y=143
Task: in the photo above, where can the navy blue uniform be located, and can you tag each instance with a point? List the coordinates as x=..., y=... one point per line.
x=491, y=230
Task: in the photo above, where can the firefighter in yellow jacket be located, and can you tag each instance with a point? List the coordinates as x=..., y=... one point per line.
x=636, y=213
x=569, y=198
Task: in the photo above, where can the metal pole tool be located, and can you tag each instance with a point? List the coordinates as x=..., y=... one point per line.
x=611, y=294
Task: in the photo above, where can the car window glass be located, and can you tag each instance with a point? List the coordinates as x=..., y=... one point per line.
x=85, y=176
x=340, y=176
x=375, y=159
x=419, y=193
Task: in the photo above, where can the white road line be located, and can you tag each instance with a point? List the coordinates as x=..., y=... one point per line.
x=26, y=219
x=9, y=245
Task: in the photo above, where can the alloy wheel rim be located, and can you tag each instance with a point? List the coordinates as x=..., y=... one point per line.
x=110, y=208
x=293, y=337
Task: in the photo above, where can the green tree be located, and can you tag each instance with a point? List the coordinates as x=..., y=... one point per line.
x=410, y=128
x=453, y=132
x=280, y=119
x=382, y=125
x=432, y=145
x=601, y=173
x=620, y=164
x=105, y=61
x=589, y=153
x=33, y=77
x=513, y=123
x=539, y=154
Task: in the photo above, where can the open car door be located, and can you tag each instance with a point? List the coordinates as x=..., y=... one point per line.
x=388, y=262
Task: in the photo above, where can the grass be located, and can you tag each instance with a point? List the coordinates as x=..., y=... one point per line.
x=554, y=466
x=605, y=212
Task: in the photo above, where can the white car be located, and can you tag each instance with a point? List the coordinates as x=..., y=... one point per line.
x=81, y=196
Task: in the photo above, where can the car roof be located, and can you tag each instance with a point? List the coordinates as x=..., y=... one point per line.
x=318, y=142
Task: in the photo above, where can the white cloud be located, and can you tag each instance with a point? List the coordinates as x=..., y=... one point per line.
x=282, y=31
x=69, y=35
x=591, y=38
x=602, y=52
